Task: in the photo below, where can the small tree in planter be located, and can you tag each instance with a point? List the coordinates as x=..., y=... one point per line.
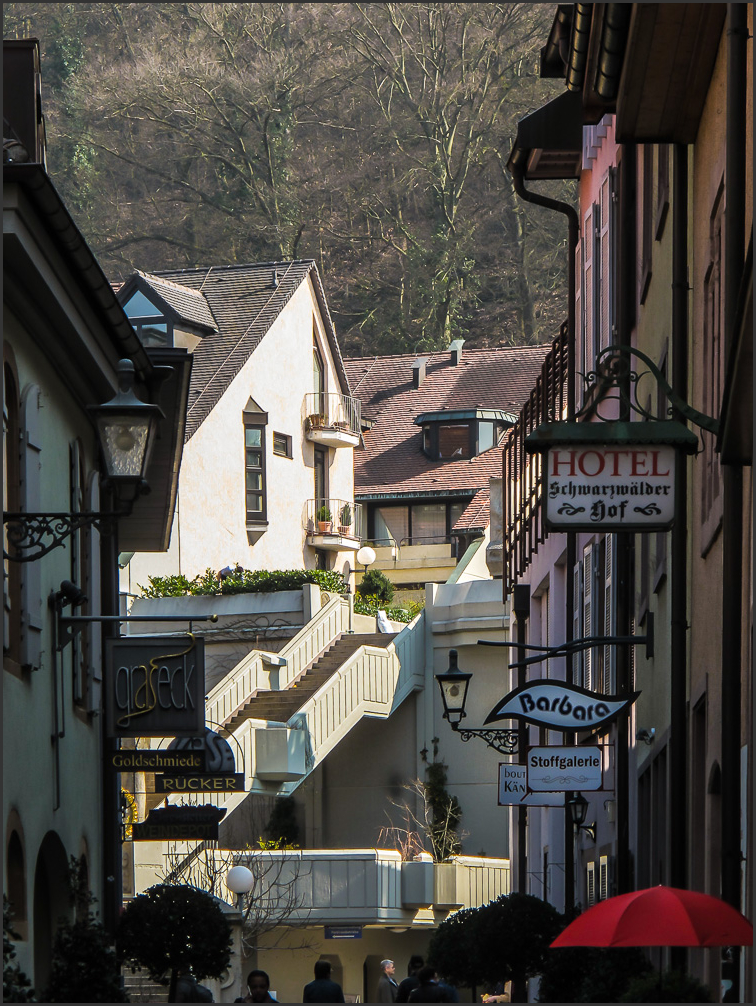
x=345, y=519
x=176, y=928
x=324, y=519
x=376, y=584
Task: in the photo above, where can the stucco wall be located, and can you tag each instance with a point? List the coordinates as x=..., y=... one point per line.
x=209, y=528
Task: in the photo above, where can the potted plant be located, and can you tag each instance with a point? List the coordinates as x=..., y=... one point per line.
x=345, y=519
x=324, y=520
x=316, y=421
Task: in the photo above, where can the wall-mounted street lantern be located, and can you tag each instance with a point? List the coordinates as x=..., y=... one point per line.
x=454, y=684
x=577, y=805
x=126, y=428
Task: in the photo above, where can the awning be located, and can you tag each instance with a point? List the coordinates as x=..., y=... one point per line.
x=549, y=141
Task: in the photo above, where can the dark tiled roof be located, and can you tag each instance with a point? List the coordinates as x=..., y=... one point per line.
x=392, y=461
x=190, y=305
x=244, y=303
x=477, y=514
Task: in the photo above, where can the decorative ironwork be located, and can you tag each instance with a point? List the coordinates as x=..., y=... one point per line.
x=29, y=536
x=523, y=529
x=501, y=740
x=615, y=380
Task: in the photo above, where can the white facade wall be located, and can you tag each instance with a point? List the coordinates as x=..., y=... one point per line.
x=209, y=527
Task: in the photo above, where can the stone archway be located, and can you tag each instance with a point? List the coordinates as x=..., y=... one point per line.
x=52, y=903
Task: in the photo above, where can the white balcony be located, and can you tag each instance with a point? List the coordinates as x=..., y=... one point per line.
x=333, y=524
x=332, y=420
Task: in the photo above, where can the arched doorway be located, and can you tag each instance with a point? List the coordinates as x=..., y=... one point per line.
x=52, y=903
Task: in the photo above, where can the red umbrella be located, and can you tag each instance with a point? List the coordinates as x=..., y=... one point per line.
x=659, y=917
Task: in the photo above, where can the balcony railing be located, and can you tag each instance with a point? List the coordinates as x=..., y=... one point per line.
x=334, y=517
x=524, y=529
x=329, y=415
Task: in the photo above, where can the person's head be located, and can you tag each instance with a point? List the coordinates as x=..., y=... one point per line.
x=415, y=963
x=258, y=984
x=322, y=969
x=388, y=968
x=426, y=974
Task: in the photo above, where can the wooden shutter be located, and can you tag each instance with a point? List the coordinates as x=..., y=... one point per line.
x=577, y=621
x=605, y=877
x=606, y=314
x=93, y=684
x=30, y=499
x=589, y=295
x=580, y=354
x=610, y=614
x=590, y=884
x=588, y=612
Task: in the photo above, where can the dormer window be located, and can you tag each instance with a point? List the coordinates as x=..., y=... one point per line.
x=164, y=313
x=455, y=435
x=150, y=324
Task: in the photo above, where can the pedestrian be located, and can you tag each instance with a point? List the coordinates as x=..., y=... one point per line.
x=406, y=985
x=258, y=986
x=387, y=987
x=189, y=990
x=452, y=996
x=428, y=991
x=322, y=989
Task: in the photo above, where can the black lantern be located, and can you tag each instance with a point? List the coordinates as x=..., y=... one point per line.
x=454, y=684
x=126, y=427
x=578, y=808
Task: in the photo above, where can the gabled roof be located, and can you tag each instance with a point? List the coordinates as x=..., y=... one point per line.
x=244, y=301
x=392, y=462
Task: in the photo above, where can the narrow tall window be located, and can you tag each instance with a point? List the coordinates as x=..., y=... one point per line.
x=254, y=463
x=713, y=373
x=12, y=575
x=647, y=219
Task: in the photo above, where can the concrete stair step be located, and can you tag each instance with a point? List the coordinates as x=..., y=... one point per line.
x=281, y=705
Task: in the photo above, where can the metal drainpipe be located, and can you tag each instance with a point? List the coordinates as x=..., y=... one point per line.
x=732, y=503
x=625, y=542
x=573, y=234
x=678, y=747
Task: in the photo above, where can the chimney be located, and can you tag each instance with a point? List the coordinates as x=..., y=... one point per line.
x=456, y=352
x=418, y=371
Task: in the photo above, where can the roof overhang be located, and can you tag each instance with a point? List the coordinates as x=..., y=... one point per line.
x=669, y=59
x=549, y=142
x=148, y=526
x=452, y=415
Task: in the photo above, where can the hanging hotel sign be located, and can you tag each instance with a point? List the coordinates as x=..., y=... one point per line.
x=559, y=706
x=556, y=769
x=611, y=476
x=155, y=686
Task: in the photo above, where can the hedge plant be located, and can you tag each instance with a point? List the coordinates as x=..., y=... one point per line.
x=243, y=581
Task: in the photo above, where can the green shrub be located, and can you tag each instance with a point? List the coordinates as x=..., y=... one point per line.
x=376, y=584
x=670, y=987
x=84, y=968
x=243, y=581
x=371, y=606
x=589, y=974
x=16, y=986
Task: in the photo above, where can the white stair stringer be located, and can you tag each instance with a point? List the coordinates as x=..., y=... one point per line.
x=372, y=682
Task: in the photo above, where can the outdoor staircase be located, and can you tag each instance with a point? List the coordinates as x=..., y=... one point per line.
x=279, y=706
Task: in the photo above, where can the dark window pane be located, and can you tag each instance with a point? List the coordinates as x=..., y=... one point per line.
x=253, y=436
x=428, y=523
x=453, y=442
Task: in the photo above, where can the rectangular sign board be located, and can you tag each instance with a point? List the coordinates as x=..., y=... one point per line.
x=513, y=789
x=158, y=760
x=200, y=831
x=205, y=782
x=155, y=686
x=556, y=769
x=610, y=487
x=343, y=932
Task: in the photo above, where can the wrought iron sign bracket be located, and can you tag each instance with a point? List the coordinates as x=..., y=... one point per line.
x=576, y=645
x=32, y=535
x=614, y=373
x=502, y=740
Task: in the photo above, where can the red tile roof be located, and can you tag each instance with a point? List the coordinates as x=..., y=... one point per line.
x=392, y=461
